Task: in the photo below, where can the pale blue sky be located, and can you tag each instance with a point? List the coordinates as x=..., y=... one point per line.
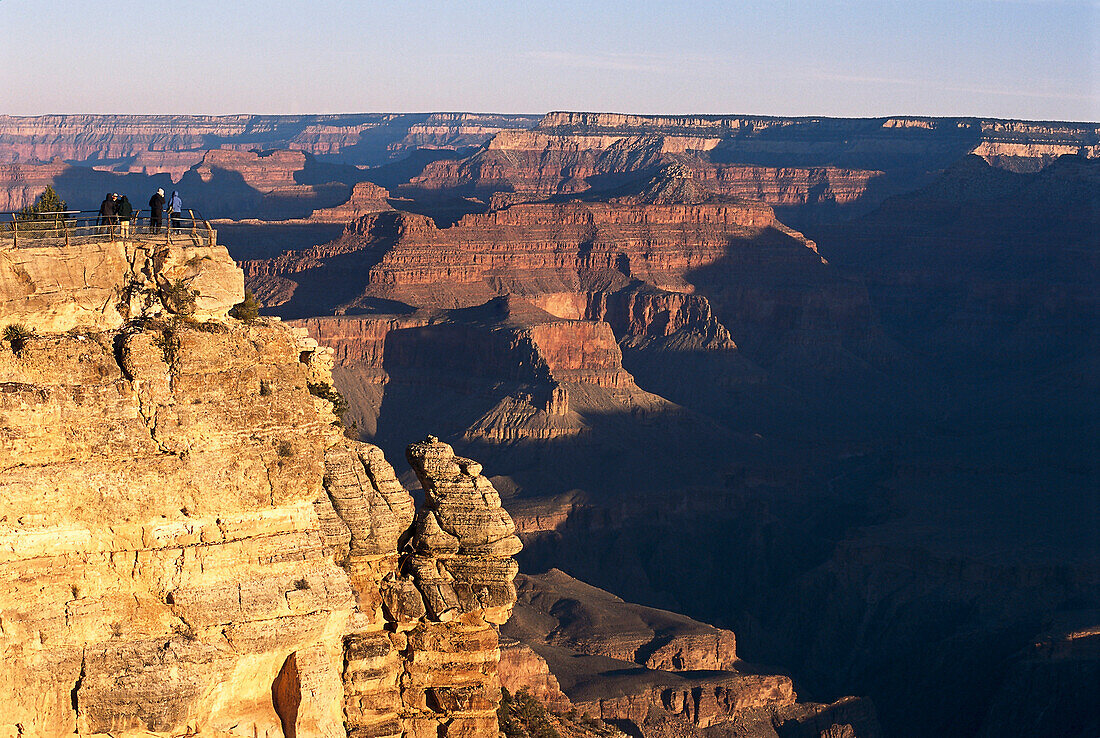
x=1004, y=58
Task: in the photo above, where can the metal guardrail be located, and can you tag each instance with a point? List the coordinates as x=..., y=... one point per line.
x=63, y=228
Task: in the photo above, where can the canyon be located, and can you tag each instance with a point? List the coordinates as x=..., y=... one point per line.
x=825, y=384
x=194, y=544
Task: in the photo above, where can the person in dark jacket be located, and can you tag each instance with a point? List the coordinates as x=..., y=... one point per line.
x=125, y=212
x=107, y=211
x=156, y=210
x=175, y=209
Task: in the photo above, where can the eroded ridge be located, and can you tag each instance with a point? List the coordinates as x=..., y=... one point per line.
x=190, y=545
x=422, y=659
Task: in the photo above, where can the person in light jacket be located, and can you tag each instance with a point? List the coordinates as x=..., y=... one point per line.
x=175, y=209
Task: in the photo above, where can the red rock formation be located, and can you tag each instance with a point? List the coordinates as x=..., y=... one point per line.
x=531, y=165
x=727, y=272
x=548, y=360
x=365, y=198
x=787, y=162
x=538, y=249
x=263, y=172
x=522, y=668
x=20, y=183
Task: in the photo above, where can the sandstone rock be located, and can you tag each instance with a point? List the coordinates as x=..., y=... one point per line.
x=522, y=668
x=659, y=672
x=160, y=542
x=192, y=546
x=100, y=285
x=466, y=537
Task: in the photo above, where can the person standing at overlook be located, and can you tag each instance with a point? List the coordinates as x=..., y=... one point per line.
x=175, y=208
x=156, y=210
x=107, y=211
x=125, y=211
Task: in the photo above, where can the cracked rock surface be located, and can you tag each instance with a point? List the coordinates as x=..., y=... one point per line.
x=189, y=545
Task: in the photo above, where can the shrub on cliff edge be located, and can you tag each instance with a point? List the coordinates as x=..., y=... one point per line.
x=248, y=310
x=326, y=391
x=522, y=716
x=17, y=336
x=179, y=298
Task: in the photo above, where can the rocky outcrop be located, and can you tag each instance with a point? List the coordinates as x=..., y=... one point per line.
x=522, y=668
x=263, y=172
x=102, y=284
x=365, y=198
x=658, y=672
x=167, y=562
x=421, y=656
x=594, y=622
x=195, y=547
x=551, y=371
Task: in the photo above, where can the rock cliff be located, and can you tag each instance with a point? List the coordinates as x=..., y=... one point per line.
x=874, y=143
x=706, y=276
x=192, y=545
x=534, y=165
x=812, y=169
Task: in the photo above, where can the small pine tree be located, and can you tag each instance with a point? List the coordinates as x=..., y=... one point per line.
x=47, y=202
x=41, y=219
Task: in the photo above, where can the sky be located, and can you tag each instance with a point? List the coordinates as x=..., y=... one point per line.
x=1032, y=59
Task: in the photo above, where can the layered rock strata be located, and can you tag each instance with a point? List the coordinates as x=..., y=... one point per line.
x=365, y=198
x=538, y=250
x=880, y=142
x=658, y=672
x=521, y=166
x=363, y=138
x=192, y=546
x=548, y=373
x=712, y=276
x=421, y=656
x=810, y=167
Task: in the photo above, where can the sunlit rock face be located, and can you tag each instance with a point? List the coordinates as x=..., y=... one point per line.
x=193, y=546
x=159, y=524
x=102, y=284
